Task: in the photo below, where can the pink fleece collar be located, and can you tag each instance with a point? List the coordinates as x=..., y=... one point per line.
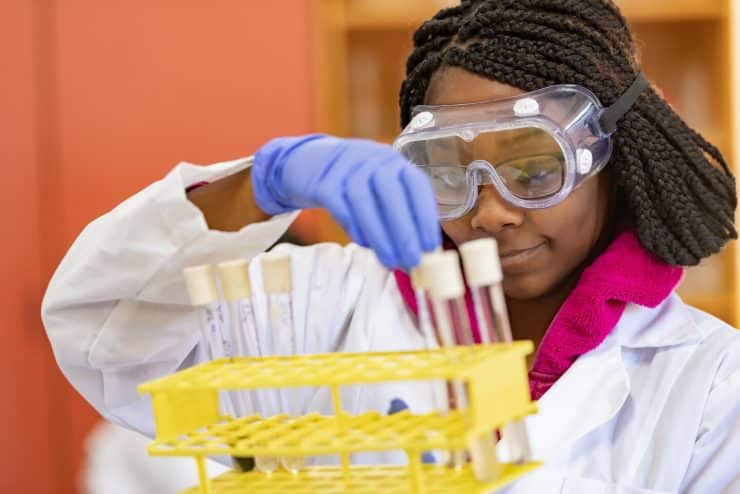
x=624, y=273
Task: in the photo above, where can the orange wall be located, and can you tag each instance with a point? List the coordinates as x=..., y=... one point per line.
x=25, y=357
x=98, y=100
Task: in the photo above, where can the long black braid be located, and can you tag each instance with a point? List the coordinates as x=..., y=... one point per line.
x=680, y=203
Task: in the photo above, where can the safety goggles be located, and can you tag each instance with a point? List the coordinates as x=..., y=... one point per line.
x=534, y=148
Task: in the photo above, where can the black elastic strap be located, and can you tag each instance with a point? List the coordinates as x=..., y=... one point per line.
x=617, y=110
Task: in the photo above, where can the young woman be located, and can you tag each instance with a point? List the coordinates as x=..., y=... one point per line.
x=537, y=129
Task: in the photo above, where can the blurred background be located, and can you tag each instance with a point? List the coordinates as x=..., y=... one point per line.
x=98, y=99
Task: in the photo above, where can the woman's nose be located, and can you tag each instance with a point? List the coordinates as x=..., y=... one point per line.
x=492, y=213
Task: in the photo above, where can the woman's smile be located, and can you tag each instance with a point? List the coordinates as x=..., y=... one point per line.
x=517, y=260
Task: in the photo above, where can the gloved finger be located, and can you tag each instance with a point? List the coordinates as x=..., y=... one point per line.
x=424, y=207
x=367, y=216
x=339, y=209
x=344, y=158
x=396, y=213
x=273, y=193
x=330, y=188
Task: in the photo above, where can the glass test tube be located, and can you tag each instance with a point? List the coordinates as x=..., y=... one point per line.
x=201, y=286
x=277, y=279
x=440, y=400
x=483, y=271
x=238, y=292
x=443, y=278
x=422, y=306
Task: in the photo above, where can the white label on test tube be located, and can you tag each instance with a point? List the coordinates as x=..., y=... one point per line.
x=201, y=287
x=238, y=289
x=278, y=286
x=277, y=279
x=422, y=308
x=238, y=292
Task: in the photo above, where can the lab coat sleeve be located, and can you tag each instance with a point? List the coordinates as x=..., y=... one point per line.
x=714, y=463
x=116, y=310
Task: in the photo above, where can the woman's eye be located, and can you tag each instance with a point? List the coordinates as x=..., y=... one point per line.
x=534, y=175
x=534, y=169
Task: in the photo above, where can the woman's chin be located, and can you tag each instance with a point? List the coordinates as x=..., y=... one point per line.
x=524, y=287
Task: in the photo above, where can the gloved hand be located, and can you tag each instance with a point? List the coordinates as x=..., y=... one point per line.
x=382, y=201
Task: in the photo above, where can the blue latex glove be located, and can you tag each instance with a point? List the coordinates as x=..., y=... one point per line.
x=383, y=202
x=397, y=406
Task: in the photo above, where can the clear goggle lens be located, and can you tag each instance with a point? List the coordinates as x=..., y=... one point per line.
x=528, y=161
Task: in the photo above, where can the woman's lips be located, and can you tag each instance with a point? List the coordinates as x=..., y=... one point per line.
x=513, y=260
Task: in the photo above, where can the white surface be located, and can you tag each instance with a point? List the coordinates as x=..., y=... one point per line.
x=116, y=462
x=481, y=262
x=440, y=273
x=654, y=408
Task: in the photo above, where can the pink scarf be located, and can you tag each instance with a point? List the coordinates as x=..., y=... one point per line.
x=624, y=273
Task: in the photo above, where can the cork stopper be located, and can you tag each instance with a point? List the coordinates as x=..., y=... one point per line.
x=416, y=274
x=235, y=279
x=201, y=284
x=276, y=273
x=481, y=262
x=417, y=282
x=441, y=275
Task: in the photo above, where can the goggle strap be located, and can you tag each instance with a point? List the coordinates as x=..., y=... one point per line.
x=609, y=117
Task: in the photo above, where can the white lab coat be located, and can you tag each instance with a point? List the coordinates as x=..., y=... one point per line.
x=117, y=462
x=654, y=409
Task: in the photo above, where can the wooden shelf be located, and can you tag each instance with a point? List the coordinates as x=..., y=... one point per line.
x=688, y=48
x=673, y=10
x=391, y=14
x=408, y=14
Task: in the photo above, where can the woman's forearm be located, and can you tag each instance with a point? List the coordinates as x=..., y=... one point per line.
x=228, y=204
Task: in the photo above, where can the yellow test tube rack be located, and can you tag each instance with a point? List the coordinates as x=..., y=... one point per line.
x=189, y=423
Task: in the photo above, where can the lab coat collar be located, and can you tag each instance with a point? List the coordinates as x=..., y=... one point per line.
x=670, y=324
x=596, y=386
x=589, y=394
x=624, y=274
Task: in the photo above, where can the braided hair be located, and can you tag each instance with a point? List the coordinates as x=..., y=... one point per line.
x=676, y=188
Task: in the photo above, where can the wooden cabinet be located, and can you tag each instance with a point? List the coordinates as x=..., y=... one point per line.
x=686, y=49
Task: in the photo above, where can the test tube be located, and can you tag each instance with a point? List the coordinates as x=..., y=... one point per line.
x=440, y=401
x=484, y=276
x=278, y=286
x=201, y=287
x=238, y=294
x=238, y=291
x=443, y=278
x=422, y=307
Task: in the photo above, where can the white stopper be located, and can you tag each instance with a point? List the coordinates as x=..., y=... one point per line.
x=235, y=279
x=441, y=275
x=276, y=273
x=481, y=262
x=201, y=284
